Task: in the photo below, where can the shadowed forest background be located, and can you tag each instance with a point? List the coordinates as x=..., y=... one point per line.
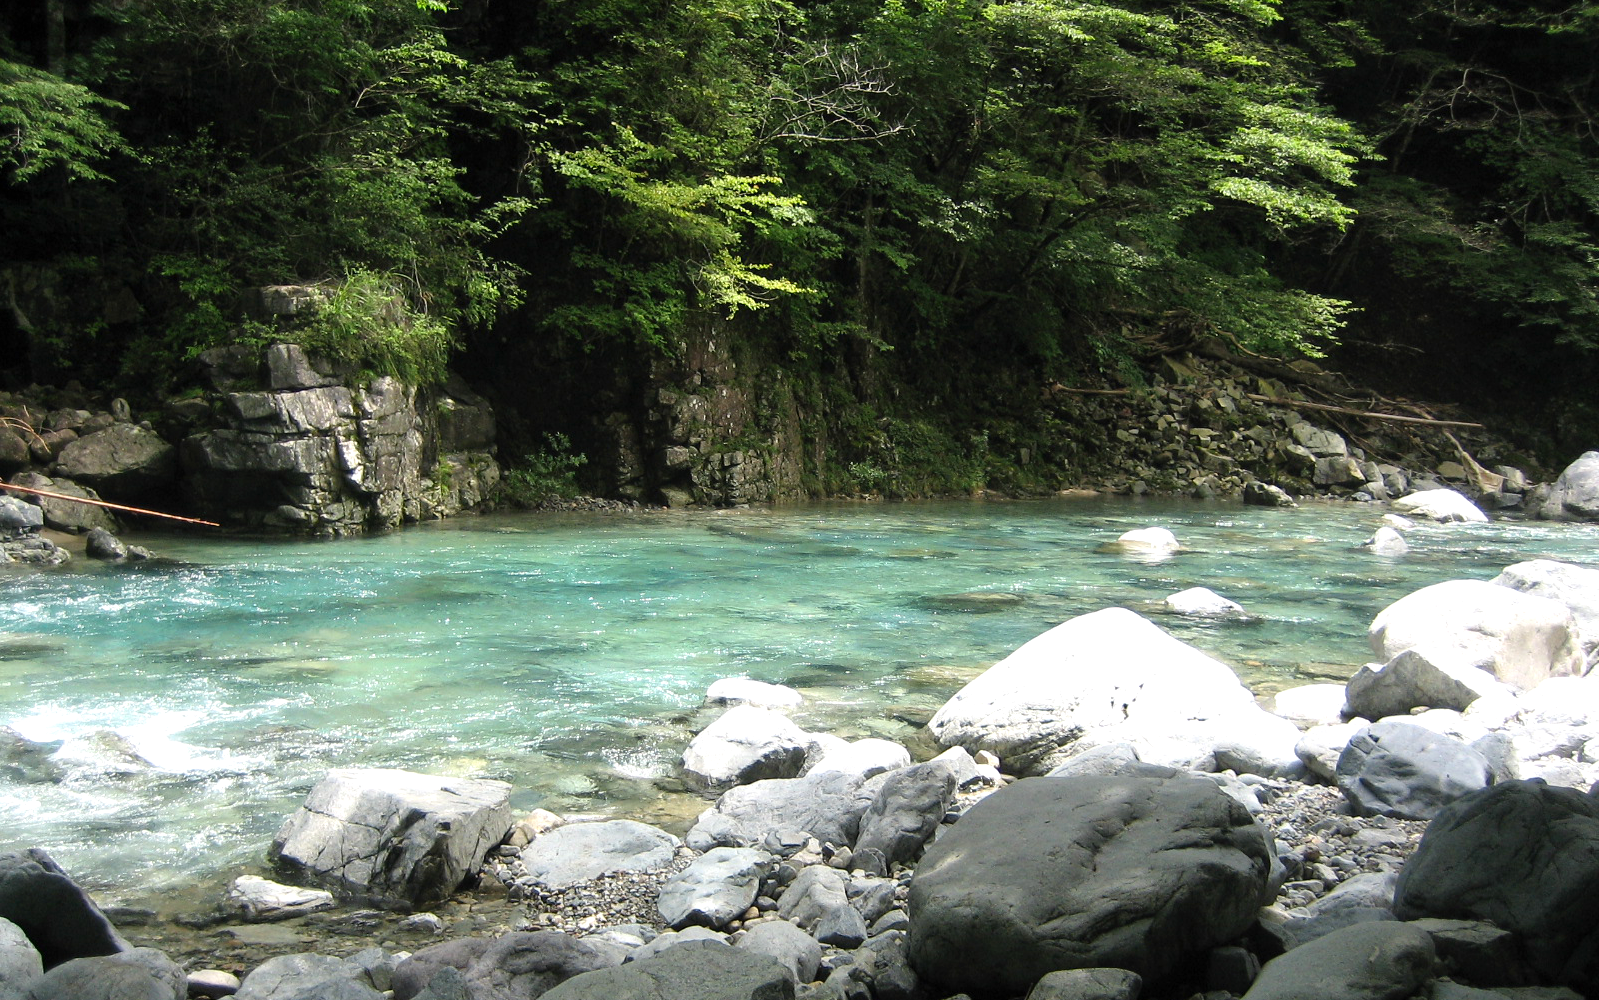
x=912, y=216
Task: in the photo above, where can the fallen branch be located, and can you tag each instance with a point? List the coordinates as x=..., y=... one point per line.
x=108, y=506
x=1295, y=404
x=1302, y=405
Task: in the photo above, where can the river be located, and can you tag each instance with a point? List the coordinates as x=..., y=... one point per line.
x=568, y=654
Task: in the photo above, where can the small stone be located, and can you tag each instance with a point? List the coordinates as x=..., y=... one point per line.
x=209, y=984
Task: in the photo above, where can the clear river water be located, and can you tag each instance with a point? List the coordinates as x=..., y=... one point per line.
x=569, y=654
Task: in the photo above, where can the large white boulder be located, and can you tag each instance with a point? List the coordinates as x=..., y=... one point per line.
x=1517, y=638
x=394, y=835
x=1118, y=677
x=1440, y=505
x=745, y=744
x=1577, y=587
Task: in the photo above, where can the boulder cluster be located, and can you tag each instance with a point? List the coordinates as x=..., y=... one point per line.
x=1112, y=815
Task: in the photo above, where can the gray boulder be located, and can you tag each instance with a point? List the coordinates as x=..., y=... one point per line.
x=828, y=806
x=1383, y=960
x=1520, y=639
x=518, y=966
x=394, y=835
x=1060, y=873
x=667, y=940
x=745, y=744
x=1088, y=984
x=20, y=963
x=1524, y=856
x=578, y=852
x=1577, y=587
x=66, y=514
x=1575, y=494
x=308, y=976
x=788, y=943
x=715, y=889
x=139, y=974
x=701, y=970
x=814, y=894
x=1397, y=769
x=1266, y=495
x=102, y=544
x=124, y=459
x=1116, y=677
x=1420, y=677
x=909, y=806
x=18, y=517
x=57, y=916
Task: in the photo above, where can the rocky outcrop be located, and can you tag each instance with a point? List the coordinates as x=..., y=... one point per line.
x=311, y=455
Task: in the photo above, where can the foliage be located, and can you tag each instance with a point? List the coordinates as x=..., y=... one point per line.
x=372, y=322
x=49, y=124
x=544, y=475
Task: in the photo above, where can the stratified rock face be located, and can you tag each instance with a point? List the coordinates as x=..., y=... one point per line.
x=1074, y=873
x=394, y=835
x=313, y=456
x=1525, y=857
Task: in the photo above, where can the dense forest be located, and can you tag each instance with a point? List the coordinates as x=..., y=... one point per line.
x=913, y=213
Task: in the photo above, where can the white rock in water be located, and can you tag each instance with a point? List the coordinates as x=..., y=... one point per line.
x=1440, y=505
x=744, y=691
x=866, y=758
x=263, y=900
x=1397, y=523
x=1149, y=540
x=746, y=744
x=1387, y=542
x=1200, y=601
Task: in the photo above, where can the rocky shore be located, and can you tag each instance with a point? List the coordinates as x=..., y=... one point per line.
x=1105, y=813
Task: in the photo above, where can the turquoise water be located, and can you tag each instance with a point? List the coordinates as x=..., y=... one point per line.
x=568, y=654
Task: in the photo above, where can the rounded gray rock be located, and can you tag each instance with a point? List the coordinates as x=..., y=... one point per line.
x=1524, y=856
x=1094, y=872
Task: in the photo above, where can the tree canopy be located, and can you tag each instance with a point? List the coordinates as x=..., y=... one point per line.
x=1050, y=181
